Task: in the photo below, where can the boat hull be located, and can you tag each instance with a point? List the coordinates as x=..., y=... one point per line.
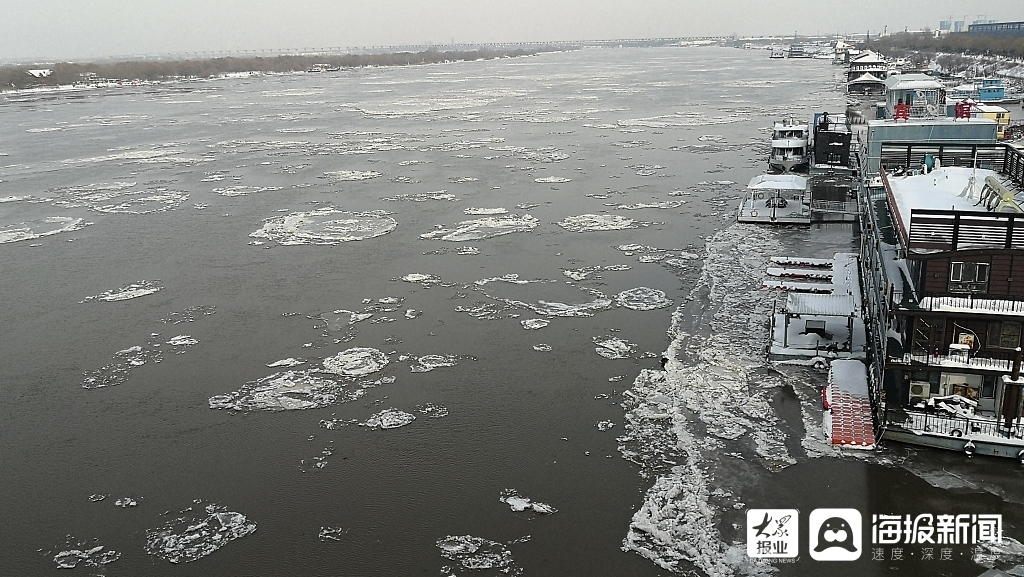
x=991, y=447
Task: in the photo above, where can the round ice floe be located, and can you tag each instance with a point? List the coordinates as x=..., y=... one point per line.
x=428, y=363
x=389, y=419
x=325, y=226
x=197, y=534
x=595, y=222
x=642, y=299
x=613, y=347
x=356, y=362
x=483, y=228
x=38, y=228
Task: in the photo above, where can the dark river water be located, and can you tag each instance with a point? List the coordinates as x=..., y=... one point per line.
x=464, y=276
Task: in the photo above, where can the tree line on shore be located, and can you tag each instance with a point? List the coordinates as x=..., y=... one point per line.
x=67, y=73
x=905, y=43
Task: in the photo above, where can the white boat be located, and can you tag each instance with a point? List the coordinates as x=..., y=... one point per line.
x=789, y=145
x=777, y=53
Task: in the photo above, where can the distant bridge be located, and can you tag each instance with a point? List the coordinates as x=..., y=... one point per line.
x=449, y=47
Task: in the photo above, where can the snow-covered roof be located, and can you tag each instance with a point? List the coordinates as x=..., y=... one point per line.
x=867, y=57
x=989, y=108
x=821, y=304
x=940, y=189
x=849, y=376
x=912, y=82
x=779, y=181
x=866, y=77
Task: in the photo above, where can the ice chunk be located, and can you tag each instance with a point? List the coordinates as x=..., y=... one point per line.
x=332, y=533
x=604, y=425
x=596, y=222
x=517, y=502
x=552, y=179
x=535, y=323
x=356, y=362
x=613, y=347
x=642, y=299
x=129, y=291
x=482, y=228
x=351, y=175
x=477, y=554
x=542, y=347
x=39, y=228
x=432, y=410
x=484, y=211
x=289, y=362
x=198, y=533
x=389, y=419
x=290, y=390
x=91, y=555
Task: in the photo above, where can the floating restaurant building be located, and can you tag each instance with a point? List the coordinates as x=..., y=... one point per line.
x=942, y=266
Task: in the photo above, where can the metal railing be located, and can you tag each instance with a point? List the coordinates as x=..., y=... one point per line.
x=988, y=364
x=955, y=426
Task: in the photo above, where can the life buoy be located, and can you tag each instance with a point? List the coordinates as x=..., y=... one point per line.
x=753, y=213
x=969, y=448
x=759, y=195
x=820, y=364
x=1020, y=457
x=957, y=433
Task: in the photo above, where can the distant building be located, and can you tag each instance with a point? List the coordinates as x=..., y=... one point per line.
x=997, y=28
x=40, y=73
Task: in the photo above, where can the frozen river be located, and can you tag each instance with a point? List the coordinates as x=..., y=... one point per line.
x=399, y=321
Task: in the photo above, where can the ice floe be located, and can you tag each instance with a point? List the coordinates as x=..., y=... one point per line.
x=604, y=425
x=642, y=299
x=427, y=363
x=534, y=323
x=432, y=410
x=289, y=362
x=518, y=503
x=129, y=291
x=482, y=228
x=476, y=554
x=356, y=362
x=423, y=197
x=389, y=419
x=351, y=175
x=39, y=228
x=198, y=532
x=596, y=222
x=289, y=390
x=579, y=274
x=484, y=211
x=325, y=226
x=332, y=533
x=230, y=191
x=542, y=348
x=614, y=347
x=72, y=553
x=552, y=180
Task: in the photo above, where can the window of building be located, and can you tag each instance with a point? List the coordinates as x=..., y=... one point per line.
x=988, y=387
x=1004, y=335
x=970, y=277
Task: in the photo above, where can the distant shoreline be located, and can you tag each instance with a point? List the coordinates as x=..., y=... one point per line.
x=70, y=76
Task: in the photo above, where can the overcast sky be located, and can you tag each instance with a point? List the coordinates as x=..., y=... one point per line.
x=78, y=29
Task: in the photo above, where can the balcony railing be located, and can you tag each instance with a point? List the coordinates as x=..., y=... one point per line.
x=955, y=426
x=954, y=361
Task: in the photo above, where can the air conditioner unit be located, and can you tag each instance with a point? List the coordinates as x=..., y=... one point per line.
x=919, y=391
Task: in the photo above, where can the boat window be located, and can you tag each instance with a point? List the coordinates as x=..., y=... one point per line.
x=969, y=277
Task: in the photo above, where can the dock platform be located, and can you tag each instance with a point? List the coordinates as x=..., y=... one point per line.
x=847, y=406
